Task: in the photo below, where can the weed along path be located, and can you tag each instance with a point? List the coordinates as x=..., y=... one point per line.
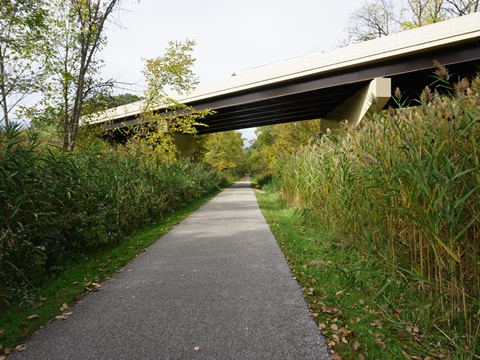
x=215, y=287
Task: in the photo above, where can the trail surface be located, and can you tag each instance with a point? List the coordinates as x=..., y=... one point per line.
x=217, y=286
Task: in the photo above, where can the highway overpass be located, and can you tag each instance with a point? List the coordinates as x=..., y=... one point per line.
x=333, y=85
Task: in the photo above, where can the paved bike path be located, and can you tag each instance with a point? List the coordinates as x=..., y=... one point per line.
x=217, y=286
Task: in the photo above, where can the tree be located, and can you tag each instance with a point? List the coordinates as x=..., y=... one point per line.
x=22, y=24
x=261, y=156
x=373, y=20
x=75, y=36
x=462, y=7
x=162, y=116
x=291, y=136
x=379, y=18
x=275, y=140
x=425, y=12
x=225, y=152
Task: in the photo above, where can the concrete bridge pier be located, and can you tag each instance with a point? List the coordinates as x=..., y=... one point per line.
x=372, y=98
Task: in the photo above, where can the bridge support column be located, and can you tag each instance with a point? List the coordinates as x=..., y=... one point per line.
x=370, y=99
x=185, y=144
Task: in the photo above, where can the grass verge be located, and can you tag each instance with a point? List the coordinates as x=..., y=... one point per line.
x=53, y=300
x=363, y=312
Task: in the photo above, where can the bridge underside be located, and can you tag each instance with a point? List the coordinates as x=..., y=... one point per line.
x=316, y=97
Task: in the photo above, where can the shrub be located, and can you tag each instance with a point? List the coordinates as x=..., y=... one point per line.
x=59, y=206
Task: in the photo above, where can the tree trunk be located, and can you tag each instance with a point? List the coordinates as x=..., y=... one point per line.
x=3, y=93
x=89, y=43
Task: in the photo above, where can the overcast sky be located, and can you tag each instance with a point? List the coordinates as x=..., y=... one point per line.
x=231, y=36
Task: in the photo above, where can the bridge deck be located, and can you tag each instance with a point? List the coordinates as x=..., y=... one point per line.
x=311, y=86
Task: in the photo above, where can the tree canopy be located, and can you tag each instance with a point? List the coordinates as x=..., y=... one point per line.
x=225, y=152
x=377, y=18
x=22, y=29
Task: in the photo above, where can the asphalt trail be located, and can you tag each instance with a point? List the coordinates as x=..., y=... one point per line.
x=217, y=286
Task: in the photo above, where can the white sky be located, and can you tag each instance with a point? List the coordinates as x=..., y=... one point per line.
x=231, y=36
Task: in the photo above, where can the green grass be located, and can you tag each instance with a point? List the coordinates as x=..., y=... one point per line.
x=363, y=313
x=71, y=285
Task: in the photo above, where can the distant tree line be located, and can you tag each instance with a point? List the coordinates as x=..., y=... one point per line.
x=377, y=18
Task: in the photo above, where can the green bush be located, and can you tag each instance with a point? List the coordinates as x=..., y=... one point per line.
x=58, y=206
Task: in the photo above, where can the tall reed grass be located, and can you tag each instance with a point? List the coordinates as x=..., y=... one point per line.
x=404, y=191
x=57, y=206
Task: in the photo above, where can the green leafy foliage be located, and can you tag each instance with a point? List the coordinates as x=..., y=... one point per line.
x=75, y=36
x=22, y=27
x=225, y=153
x=273, y=141
x=58, y=206
x=162, y=117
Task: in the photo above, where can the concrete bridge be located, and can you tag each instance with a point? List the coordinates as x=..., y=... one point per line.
x=342, y=84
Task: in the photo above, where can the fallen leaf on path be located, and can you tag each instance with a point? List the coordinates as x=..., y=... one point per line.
x=21, y=347
x=196, y=348
x=96, y=286
x=64, y=316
